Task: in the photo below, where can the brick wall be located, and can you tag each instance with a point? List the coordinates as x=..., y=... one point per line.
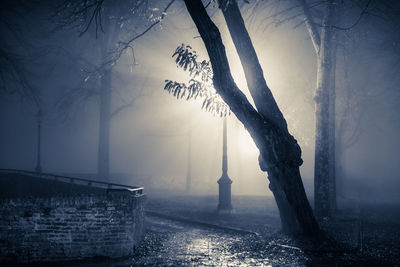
x=70, y=227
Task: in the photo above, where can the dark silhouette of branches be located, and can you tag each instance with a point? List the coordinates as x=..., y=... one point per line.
x=85, y=12
x=124, y=45
x=82, y=15
x=363, y=12
x=114, y=19
x=127, y=44
x=71, y=103
x=16, y=51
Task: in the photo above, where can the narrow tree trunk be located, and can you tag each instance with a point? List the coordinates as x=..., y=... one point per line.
x=103, y=163
x=321, y=168
x=279, y=151
x=106, y=42
x=262, y=96
x=332, y=130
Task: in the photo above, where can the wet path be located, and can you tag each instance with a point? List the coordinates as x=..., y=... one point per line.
x=173, y=243
x=170, y=243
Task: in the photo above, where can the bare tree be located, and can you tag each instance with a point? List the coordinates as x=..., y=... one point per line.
x=322, y=39
x=14, y=51
x=115, y=26
x=18, y=56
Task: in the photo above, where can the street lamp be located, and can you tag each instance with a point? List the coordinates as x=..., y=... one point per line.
x=224, y=183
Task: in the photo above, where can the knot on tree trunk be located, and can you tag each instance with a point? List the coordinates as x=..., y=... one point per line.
x=285, y=151
x=294, y=151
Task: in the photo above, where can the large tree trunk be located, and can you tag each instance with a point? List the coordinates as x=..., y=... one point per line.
x=324, y=175
x=321, y=168
x=287, y=215
x=263, y=99
x=280, y=153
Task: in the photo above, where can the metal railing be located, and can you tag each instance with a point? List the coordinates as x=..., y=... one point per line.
x=76, y=180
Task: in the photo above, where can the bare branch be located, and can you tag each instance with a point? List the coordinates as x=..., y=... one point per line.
x=363, y=12
x=96, y=16
x=311, y=26
x=126, y=105
x=122, y=107
x=78, y=14
x=128, y=44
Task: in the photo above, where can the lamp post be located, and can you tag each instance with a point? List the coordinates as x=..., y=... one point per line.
x=224, y=183
x=38, y=168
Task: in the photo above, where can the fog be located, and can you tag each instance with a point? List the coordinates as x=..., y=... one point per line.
x=149, y=140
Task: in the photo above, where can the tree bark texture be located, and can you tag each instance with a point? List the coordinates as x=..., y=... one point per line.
x=321, y=168
x=324, y=172
x=279, y=152
x=263, y=98
x=332, y=128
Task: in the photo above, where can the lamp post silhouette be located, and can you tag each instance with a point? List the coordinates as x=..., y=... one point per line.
x=224, y=183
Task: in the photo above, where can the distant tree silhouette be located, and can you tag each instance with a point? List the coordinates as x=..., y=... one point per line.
x=115, y=25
